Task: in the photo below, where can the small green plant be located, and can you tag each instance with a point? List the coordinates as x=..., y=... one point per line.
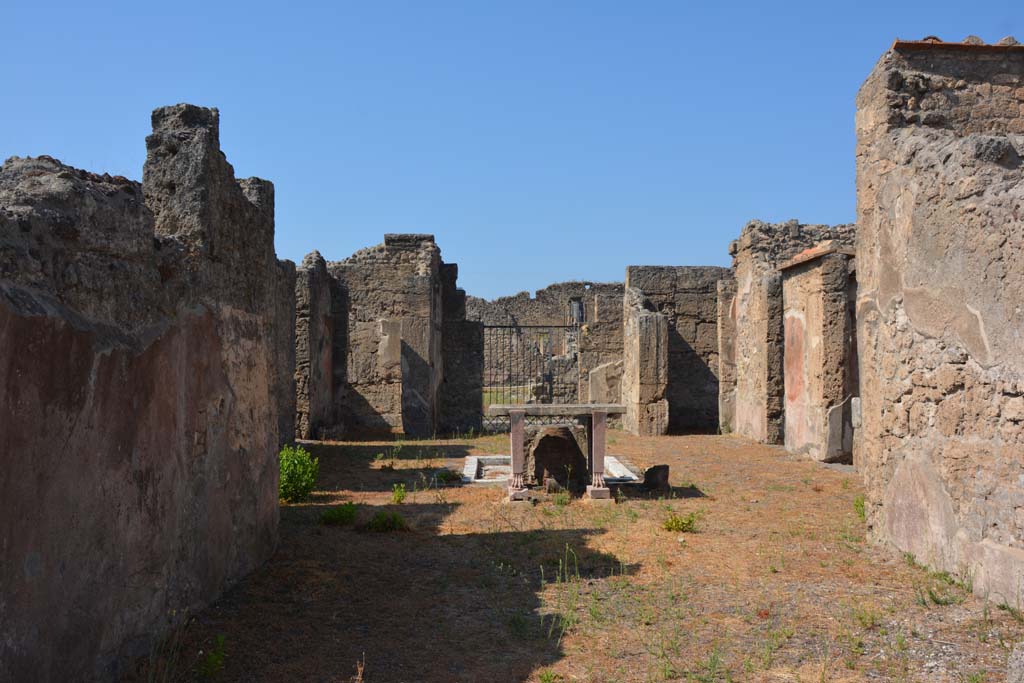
x=398, y=494
x=385, y=521
x=1012, y=611
x=519, y=625
x=562, y=498
x=339, y=516
x=549, y=676
x=212, y=663
x=858, y=507
x=682, y=523
x=446, y=477
x=298, y=473
x=866, y=617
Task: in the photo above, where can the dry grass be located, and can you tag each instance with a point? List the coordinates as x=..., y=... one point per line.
x=776, y=584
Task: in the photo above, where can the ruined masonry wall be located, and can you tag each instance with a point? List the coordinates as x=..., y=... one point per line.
x=756, y=313
x=820, y=355
x=600, y=348
x=145, y=336
x=462, y=344
x=644, y=366
x=599, y=341
x=940, y=260
x=392, y=338
x=688, y=297
x=726, y=355
x=314, y=349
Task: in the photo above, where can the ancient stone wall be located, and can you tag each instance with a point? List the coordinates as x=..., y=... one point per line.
x=820, y=374
x=757, y=316
x=940, y=260
x=600, y=348
x=145, y=336
x=726, y=355
x=383, y=345
x=688, y=298
x=393, y=370
x=644, y=366
x=462, y=345
x=314, y=349
x=548, y=306
x=595, y=307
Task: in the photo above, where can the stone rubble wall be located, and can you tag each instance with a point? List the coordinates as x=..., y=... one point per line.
x=600, y=348
x=688, y=298
x=383, y=345
x=314, y=349
x=820, y=374
x=392, y=338
x=548, y=306
x=940, y=259
x=145, y=336
x=644, y=366
x=756, y=315
x=599, y=340
x=462, y=347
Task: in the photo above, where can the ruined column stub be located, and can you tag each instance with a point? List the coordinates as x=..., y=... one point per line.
x=644, y=366
x=516, y=484
x=940, y=261
x=597, y=489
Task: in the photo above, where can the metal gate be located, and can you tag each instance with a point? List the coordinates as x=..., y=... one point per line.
x=529, y=364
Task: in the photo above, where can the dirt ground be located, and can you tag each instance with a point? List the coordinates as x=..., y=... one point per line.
x=775, y=583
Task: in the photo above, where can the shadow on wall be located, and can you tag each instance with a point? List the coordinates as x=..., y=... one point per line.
x=692, y=389
x=415, y=606
x=418, y=410
x=358, y=418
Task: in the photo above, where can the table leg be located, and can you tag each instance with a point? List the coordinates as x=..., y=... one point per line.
x=598, y=441
x=516, y=485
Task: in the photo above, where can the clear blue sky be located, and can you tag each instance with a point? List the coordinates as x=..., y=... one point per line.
x=539, y=141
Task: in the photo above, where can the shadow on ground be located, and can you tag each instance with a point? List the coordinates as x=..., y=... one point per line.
x=414, y=606
x=379, y=466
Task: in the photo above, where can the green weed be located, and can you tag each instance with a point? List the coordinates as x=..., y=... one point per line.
x=398, y=494
x=385, y=521
x=682, y=523
x=340, y=515
x=298, y=473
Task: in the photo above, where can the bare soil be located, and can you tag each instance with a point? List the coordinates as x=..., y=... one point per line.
x=776, y=582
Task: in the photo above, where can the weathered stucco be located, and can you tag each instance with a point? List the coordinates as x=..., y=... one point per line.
x=726, y=355
x=940, y=260
x=820, y=369
x=145, y=386
x=756, y=317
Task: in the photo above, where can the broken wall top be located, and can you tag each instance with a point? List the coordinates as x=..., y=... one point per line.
x=940, y=139
x=958, y=87
x=671, y=279
x=549, y=306
x=769, y=245
x=127, y=254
